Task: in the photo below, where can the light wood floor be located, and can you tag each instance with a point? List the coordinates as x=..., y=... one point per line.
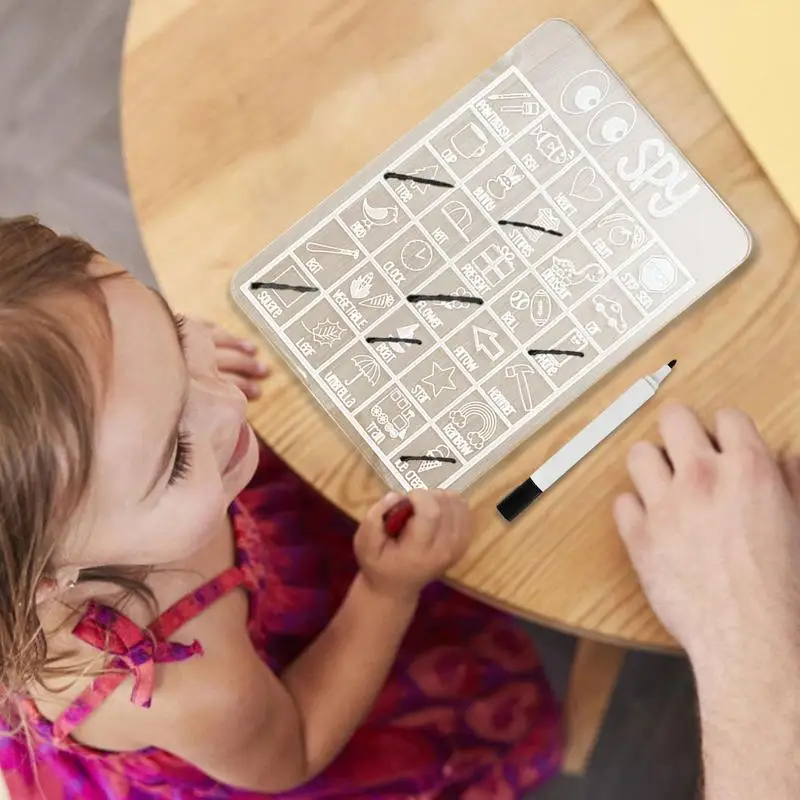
x=60, y=158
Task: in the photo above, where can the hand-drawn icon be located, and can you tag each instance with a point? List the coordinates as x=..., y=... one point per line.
x=380, y=216
x=511, y=96
x=416, y=255
x=500, y=186
x=361, y=286
x=658, y=274
x=530, y=108
x=455, y=305
x=442, y=451
x=585, y=186
x=429, y=173
x=551, y=146
x=572, y=275
x=611, y=311
x=541, y=308
x=494, y=263
x=459, y=216
x=379, y=301
x=404, y=332
x=625, y=231
x=470, y=141
x=319, y=247
x=519, y=300
x=441, y=378
x=397, y=427
x=521, y=372
x=611, y=124
x=585, y=92
x=592, y=328
x=486, y=419
x=289, y=276
x=546, y=218
x=328, y=332
x=367, y=368
x=485, y=342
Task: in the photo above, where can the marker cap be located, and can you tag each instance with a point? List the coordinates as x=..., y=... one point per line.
x=513, y=504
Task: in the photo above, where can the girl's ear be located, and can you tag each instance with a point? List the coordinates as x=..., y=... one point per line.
x=54, y=586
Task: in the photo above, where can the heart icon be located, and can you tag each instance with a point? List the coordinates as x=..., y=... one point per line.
x=584, y=186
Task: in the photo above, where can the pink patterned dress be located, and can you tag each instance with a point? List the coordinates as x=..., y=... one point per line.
x=466, y=712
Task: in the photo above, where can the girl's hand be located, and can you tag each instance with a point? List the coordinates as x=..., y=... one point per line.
x=433, y=540
x=236, y=360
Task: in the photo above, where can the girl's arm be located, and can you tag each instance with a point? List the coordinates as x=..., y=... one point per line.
x=230, y=716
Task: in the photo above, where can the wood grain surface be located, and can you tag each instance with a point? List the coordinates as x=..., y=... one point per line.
x=239, y=117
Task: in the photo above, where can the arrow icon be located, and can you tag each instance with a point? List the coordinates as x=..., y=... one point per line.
x=486, y=342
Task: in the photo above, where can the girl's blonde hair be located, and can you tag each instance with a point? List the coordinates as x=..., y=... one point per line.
x=48, y=410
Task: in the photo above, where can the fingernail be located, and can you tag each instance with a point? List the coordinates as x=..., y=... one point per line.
x=254, y=391
x=261, y=368
x=248, y=346
x=391, y=497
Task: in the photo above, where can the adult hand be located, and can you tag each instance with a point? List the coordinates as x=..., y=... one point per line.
x=714, y=533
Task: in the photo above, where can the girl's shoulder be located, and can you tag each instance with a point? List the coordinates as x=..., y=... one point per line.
x=124, y=699
x=123, y=672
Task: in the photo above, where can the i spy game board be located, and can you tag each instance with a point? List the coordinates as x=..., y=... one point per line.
x=491, y=265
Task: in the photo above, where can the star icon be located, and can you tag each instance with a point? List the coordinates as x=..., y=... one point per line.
x=446, y=376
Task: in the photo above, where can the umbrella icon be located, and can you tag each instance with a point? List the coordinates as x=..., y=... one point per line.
x=367, y=368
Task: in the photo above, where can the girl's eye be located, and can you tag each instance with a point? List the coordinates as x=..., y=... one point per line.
x=183, y=459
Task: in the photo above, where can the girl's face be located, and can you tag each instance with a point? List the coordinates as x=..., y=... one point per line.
x=173, y=447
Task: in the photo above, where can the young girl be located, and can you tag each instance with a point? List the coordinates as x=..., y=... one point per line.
x=181, y=616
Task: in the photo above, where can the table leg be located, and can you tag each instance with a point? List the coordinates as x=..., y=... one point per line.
x=591, y=684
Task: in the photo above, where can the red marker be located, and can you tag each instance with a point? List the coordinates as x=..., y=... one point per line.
x=395, y=518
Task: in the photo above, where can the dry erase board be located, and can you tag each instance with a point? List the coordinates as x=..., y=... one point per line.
x=492, y=264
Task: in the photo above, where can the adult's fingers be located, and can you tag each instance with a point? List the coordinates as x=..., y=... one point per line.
x=649, y=470
x=735, y=430
x=629, y=514
x=684, y=436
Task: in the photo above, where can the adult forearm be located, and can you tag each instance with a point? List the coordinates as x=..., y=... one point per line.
x=751, y=729
x=335, y=682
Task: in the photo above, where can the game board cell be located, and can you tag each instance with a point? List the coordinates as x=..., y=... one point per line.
x=464, y=143
x=439, y=460
x=373, y=217
x=329, y=253
x=390, y=419
x=545, y=150
x=319, y=333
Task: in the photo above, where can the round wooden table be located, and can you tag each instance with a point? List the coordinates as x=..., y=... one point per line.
x=239, y=117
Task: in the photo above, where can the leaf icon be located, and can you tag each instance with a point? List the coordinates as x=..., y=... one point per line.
x=328, y=332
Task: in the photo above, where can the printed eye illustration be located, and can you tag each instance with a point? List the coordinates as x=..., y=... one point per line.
x=585, y=92
x=611, y=124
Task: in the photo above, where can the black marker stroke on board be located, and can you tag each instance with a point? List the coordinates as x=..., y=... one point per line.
x=530, y=225
x=443, y=298
x=288, y=287
x=399, y=176
x=576, y=353
x=441, y=459
x=396, y=339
